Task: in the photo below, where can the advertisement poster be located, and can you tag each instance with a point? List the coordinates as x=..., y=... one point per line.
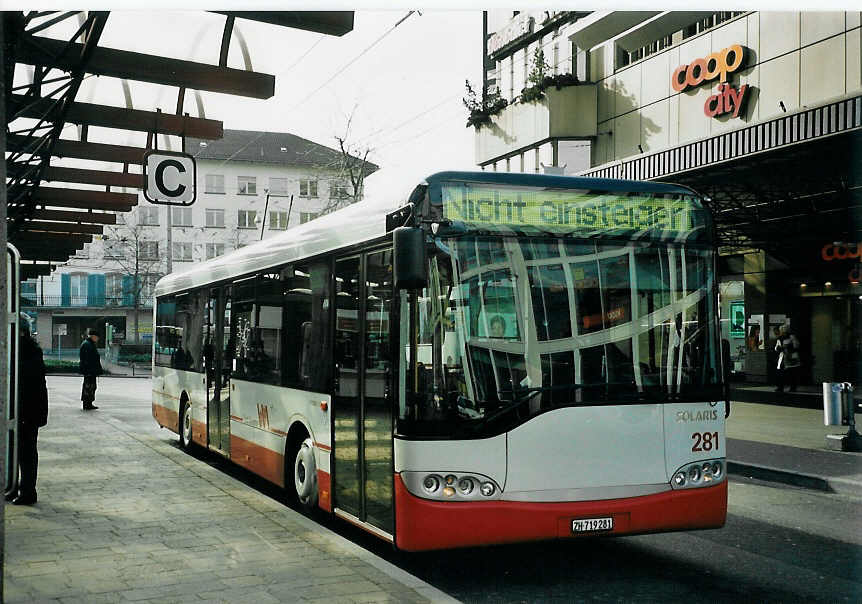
x=737, y=319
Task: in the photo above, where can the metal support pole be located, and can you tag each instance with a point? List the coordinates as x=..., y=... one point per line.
x=265, y=208
x=4, y=348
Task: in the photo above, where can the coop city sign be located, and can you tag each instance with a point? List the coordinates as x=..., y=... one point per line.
x=718, y=65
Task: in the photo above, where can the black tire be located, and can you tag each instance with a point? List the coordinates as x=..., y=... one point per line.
x=185, y=428
x=301, y=479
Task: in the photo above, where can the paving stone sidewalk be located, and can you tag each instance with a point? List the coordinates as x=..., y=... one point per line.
x=126, y=517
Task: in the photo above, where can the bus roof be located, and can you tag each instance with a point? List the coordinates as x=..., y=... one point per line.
x=366, y=221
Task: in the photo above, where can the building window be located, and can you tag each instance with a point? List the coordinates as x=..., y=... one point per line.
x=277, y=221
x=307, y=216
x=339, y=191
x=113, y=249
x=114, y=289
x=246, y=185
x=277, y=186
x=149, y=250
x=215, y=218
x=214, y=250
x=214, y=183
x=181, y=251
x=245, y=219
x=181, y=217
x=148, y=216
x=148, y=285
x=308, y=188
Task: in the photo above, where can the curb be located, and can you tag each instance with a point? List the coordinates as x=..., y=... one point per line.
x=806, y=481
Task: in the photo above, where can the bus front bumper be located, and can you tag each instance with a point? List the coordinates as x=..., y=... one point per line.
x=422, y=524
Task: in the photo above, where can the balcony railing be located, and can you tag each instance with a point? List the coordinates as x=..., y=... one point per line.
x=570, y=112
x=36, y=301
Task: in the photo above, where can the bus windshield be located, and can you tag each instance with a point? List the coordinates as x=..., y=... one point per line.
x=510, y=327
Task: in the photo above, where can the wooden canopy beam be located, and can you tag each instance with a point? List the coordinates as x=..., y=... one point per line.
x=333, y=23
x=38, y=50
x=45, y=254
x=43, y=239
x=80, y=149
x=119, y=117
x=29, y=271
x=67, y=216
x=60, y=227
x=105, y=178
x=80, y=198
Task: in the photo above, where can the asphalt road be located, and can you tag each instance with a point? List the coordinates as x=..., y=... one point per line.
x=780, y=544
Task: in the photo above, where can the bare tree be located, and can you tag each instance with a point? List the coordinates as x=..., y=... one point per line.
x=135, y=249
x=351, y=167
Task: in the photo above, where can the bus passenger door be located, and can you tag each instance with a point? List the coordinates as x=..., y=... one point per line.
x=362, y=399
x=218, y=358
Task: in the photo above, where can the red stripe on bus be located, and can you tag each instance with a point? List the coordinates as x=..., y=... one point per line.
x=166, y=418
x=324, y=491
x=199, y=433
x=264, y=462
x=423, y=524
x=279, y=432
x=323, y=447
x=236, y=418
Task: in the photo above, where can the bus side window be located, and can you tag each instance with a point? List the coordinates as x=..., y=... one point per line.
x=306, y=326
x=305, y=358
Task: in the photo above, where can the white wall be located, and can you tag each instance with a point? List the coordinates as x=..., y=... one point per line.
x=798, y=58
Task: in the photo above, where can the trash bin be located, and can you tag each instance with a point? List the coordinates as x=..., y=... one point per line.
x=834, y=403
x=832, y=407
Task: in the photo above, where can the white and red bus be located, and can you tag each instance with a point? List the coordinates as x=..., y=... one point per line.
x=496, y=358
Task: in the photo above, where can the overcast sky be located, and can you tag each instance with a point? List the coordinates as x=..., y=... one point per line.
x=403, y=84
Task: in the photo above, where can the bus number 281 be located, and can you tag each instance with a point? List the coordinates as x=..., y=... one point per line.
x=705, y=441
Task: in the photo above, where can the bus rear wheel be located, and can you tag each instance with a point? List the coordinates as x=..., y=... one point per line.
x=186, y=425
x=305, y=474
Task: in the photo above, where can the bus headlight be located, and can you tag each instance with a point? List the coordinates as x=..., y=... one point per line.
x=698, y=474
x=449, y=486
x=431, y=484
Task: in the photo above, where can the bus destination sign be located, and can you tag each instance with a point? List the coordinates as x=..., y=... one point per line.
x=564, y=209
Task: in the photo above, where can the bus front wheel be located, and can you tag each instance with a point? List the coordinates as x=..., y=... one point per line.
x=305, y=474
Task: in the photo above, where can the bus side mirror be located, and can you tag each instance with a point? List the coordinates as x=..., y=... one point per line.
x=725, y=374
x=408, y=264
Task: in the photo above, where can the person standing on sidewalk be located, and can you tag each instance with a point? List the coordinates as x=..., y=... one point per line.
x=33, y=397
x=789, y=359
x=90, y=366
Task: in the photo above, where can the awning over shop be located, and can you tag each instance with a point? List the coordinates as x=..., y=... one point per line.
x=782, y=185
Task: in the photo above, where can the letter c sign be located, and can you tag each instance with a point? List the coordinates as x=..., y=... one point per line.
x=170, y=178
x=716, y=65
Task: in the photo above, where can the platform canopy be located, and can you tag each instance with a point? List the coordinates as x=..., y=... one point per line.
x=50, y=215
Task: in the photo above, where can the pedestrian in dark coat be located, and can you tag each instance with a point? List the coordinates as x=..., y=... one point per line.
x=33, y=406
x=90, y=366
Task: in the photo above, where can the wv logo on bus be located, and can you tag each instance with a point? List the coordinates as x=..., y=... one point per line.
x=263, y=416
